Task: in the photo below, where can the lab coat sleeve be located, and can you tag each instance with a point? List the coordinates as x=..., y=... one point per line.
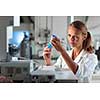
x=87, y=67
x=58, y=62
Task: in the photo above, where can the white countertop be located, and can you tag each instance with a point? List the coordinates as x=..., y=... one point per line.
x=60, y=74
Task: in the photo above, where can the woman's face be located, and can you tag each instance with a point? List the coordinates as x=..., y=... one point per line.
x=75, y=37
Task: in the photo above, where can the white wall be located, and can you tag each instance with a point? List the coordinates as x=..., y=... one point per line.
x=60, y=26
x=81, y=18
x=93, y=24
x=4, y=22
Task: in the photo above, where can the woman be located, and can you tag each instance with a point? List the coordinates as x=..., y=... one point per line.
x=81, y=59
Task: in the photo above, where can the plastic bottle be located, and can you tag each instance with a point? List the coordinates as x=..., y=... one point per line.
x=49, y=44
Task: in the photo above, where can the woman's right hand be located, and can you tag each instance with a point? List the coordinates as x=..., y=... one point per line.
x=47, y=56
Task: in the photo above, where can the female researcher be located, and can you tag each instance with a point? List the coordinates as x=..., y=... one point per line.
x=81, y=59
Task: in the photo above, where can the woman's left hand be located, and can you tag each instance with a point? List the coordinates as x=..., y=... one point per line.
x=57, y=44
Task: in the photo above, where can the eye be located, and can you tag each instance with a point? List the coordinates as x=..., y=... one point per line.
x=76, y=37
x=69, y=35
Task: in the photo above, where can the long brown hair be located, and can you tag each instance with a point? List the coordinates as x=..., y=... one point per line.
x=87, y=42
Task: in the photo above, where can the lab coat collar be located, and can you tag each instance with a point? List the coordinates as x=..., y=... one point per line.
x=79, y=57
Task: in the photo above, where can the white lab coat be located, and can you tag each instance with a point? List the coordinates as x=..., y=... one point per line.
x=86, y=62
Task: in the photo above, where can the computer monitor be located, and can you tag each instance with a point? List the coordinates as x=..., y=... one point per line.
x=15, y=42
x=17, y=38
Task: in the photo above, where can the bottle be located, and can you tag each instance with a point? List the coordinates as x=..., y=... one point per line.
x=49, y=44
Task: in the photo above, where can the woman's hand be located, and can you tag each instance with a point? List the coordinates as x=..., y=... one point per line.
x=47, y=55
x=57, y=44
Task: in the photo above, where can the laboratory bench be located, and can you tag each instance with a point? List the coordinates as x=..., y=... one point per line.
x=53, y=76
x=22, y=71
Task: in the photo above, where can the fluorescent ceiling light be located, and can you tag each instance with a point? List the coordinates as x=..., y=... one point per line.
x=72, y=19
x=16, y=21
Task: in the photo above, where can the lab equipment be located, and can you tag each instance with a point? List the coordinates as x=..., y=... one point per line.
x=52, y=75
x=18, y=37
x=18, y=71
x=49, y=44
x=19, y=44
